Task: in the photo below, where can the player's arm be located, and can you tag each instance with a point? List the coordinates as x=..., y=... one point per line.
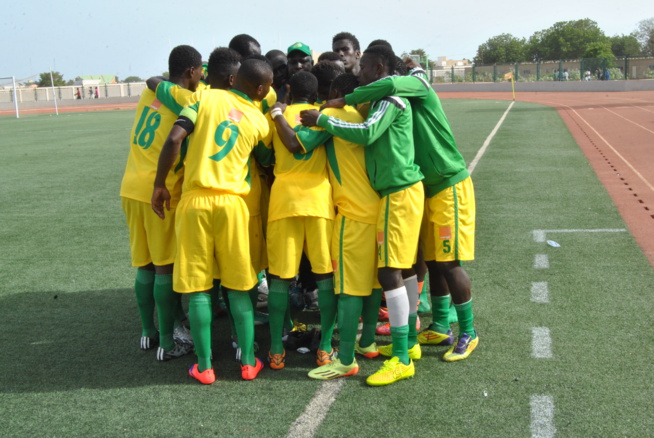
x=378, y=121
x=154, y=81
x=402, y=86
x=182, y=128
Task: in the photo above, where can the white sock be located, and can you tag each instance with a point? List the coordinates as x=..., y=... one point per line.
x=398, y=307
x=411, y=285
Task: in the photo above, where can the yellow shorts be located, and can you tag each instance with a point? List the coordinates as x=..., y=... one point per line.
x=258, y=251
x=151, y=239
x=398, y=227
x=448, y=229
x=212, y=239
x=288, y=237
x=354, y=257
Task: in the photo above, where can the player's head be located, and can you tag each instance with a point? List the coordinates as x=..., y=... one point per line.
x=185, y=66
x=279, y=65
x=332, y=57
x=303, y=87
x=400, y=67
x=223, y=67
x=348, y=48
x=343, y=85
x=254, y=78
x=326, y=72
x=299, y=58
x=377, y=62
x=245, y=45
x=380, y=43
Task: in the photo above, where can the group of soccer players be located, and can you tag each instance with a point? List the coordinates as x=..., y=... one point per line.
x=361, y=188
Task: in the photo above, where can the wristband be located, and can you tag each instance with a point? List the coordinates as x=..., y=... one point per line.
x=275, y=112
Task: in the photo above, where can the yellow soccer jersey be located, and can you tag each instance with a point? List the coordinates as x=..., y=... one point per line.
x=227, y=127
x=267, y=102
x=353, y=195
x=301, y=186
x=155, y=116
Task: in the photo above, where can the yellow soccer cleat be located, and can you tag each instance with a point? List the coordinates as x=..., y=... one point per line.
x=462, y=349
x=392, y=371
x=415, y=352
x=334, y=370
x=371, y=351
x=432, y=337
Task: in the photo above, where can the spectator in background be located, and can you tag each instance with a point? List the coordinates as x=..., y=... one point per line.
x=607, y=75
x=78, y=95
x=566, y=75
x=587, y=75
x=97, y=94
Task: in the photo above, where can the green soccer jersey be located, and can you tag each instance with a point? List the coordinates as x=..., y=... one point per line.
x=388, y=138
x=435, y=148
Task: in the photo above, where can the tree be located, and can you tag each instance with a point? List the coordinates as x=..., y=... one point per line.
x=419, y=52
x=645, y=35
x=625, y=45
x=501, y=49
x=133, y=79
x=44, y=80
x=565, y=40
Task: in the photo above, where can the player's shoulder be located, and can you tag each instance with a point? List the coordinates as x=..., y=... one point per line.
x=347, y=113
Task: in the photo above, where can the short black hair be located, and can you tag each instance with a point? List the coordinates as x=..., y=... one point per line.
x=182, y=58
x=303, y=84
x=326, y=72
x=347, y=36
x=400, y=67
x=253, y=71
x=260, y=58
x=241, y=43
x=222, y=61
x=329, y=56
x=345, y=83
x=274, y=53
x=380, y=43
x=385, y=55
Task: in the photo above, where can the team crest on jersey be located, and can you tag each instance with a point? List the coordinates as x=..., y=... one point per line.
x=156, y=104
x=298, y=119
x=445, y=233
x=235, y=115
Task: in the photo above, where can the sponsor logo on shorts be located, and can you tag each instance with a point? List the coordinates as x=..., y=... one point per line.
x=444, y=233
x=334, y=266
x=380, y=237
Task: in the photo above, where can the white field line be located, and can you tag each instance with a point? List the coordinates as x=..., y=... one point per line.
x=542, y=416
x=541, y=235
x=483, y=148
x=541, y=261
x=305, y=425
x=540, y=292
x=541, y=343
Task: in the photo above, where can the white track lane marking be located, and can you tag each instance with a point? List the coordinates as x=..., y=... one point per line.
x=542, y=416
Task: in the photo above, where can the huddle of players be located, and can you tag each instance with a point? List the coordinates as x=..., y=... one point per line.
x=356, y=211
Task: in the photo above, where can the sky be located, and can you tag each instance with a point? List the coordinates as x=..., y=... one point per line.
x=134, y=38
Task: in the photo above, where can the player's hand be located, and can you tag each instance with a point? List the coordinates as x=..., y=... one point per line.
x=309, y=117
x=411, y=63
x=280, y=105
x=334, y=103
x=160, y=198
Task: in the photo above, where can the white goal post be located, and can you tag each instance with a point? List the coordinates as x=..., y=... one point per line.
x=13, y=88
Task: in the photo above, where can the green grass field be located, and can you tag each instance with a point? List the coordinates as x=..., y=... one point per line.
x=71, y=365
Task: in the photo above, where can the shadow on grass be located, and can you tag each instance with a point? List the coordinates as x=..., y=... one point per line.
x=55, y=341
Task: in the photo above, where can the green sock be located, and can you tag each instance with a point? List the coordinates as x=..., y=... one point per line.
x=243, y=316
x=440, y=310
x=277, y=306
x=399, y=336
x=453, y=316
x=328, y=303
x=349, y=310
x=466, y=319
x=144, y=291
x=166, y=301
x=199, y=313
x=369, y=316
x=412, y=337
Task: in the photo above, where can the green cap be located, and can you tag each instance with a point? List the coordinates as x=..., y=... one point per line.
x=299, y=46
